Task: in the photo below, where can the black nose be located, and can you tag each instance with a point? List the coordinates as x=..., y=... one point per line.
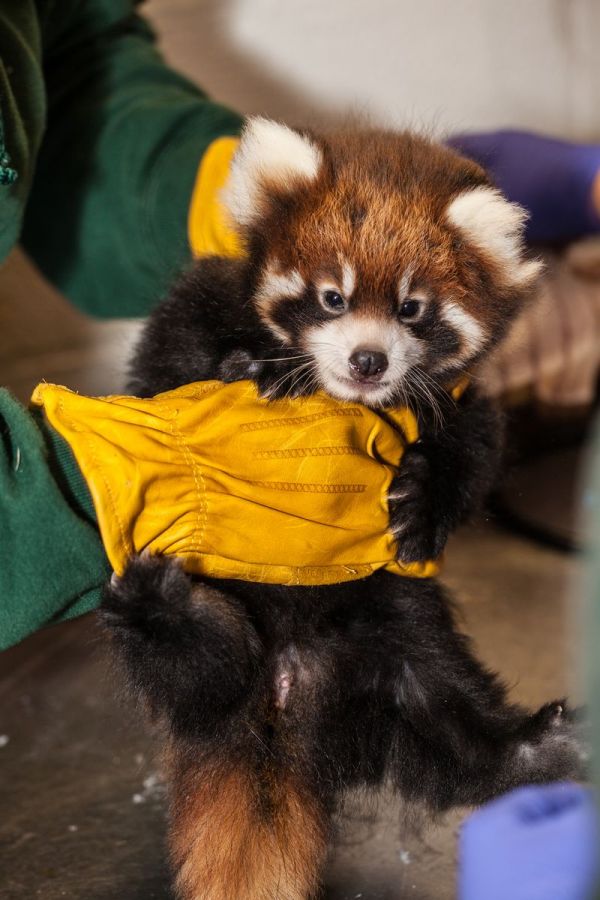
x=367, y=363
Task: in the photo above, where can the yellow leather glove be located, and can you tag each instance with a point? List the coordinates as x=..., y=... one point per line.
x=287, y=491
x=209, y=233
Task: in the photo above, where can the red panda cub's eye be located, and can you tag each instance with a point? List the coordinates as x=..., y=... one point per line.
x=332, y=301
x=410, y=308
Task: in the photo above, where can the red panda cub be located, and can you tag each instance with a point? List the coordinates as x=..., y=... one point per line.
x=380, y=267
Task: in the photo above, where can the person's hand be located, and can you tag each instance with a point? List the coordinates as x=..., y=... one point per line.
x=558, y=182
x=535, y=843
x=283, y=491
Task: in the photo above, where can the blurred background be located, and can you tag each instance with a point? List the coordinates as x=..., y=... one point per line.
x=80, y=784
x=468, y=65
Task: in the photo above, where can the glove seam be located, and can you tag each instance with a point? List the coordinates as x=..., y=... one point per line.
x=201, y=495
x=289, y=421
x=92, y=450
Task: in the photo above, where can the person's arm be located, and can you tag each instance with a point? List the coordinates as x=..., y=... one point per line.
x=52, y=562
x=106, y=219
x=22, y=113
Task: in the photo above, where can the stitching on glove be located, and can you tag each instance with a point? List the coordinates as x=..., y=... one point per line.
x=306, y=487
x=203, y=389
x=298, y=452
x=202, y=505
x=351, y=412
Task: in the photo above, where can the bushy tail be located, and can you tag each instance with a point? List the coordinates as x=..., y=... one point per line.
x=237, y=837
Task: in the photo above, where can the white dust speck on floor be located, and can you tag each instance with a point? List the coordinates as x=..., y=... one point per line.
x=4, y=739
x=153, y=789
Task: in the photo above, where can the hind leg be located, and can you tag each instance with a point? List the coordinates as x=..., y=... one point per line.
x=461, y=750
x=432, y=716
x=456, y=714
x=188, y=648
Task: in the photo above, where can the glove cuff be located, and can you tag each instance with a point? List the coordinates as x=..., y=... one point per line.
x=209, y=231
x=65, y=470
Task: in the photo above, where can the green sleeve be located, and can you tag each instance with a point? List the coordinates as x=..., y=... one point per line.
x=22, y=113
x=52, y=562
x=115, y=137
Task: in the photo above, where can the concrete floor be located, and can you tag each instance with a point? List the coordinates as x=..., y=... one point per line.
x=81, y=800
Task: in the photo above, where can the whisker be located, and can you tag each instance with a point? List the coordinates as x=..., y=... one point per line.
x=423, y=390
x=282, y=358
x=309, y=378
x=435, y=385
x=291, y=374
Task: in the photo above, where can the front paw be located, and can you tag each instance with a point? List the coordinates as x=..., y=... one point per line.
x=412, y=513
x=238, y=365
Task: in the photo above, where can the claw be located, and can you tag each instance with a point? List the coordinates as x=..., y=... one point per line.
x=399, y=529
x=398, y=495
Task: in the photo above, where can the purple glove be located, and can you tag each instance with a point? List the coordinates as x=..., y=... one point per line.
x=536, y=843
x=550, y=178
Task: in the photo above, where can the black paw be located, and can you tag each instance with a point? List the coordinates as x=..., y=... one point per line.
x=554, y=745
x=413, y=522
x=238, y=365
x=152, y=596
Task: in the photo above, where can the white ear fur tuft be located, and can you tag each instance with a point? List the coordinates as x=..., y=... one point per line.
x=495, y=226
x=270, y=155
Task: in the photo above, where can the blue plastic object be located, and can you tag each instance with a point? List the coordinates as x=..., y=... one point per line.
x=536, y=843
x=549, y=177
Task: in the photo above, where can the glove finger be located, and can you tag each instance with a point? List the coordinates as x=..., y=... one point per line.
x=482, y=148
x=543, y=802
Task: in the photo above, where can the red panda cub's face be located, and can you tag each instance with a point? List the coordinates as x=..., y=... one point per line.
x=388, y=262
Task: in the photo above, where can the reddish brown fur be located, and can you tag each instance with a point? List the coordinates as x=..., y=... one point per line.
x=235, y=836
x=398, y=187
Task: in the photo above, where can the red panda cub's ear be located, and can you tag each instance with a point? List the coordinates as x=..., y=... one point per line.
x=495, y=226
x=271, y=158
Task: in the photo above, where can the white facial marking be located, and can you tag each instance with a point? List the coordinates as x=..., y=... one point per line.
x=348, y=280
x=495, y=226
x=471, y=333
x=327, y=284
x=332, y=345
x=269, y=155
x=273, y=287
x=414, y=294
x=405, y=282
x=323, y=286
